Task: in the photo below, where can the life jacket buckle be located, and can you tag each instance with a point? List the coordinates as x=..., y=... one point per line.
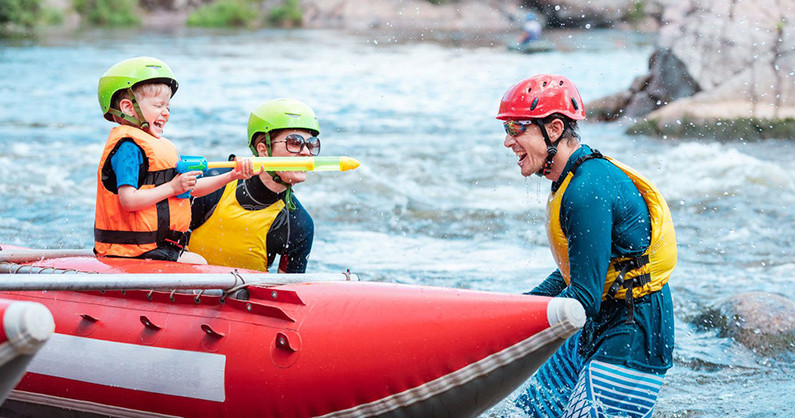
x=178, y=239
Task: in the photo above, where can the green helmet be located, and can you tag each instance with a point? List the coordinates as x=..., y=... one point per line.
x=127, y=74
x=280, y=114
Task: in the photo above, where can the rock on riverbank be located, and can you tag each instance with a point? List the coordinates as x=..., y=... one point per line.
x=763, y=322
x=720, y=67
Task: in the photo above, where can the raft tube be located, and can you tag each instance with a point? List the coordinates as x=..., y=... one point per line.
x=328, y=349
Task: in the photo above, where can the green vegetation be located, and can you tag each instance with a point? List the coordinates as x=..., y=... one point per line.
x=748, y=129
x=225, y=13
x=109, y=12
x=288, y=14
x=51, y=16
x=245, y=13
x=636, y=14
x=25, y=13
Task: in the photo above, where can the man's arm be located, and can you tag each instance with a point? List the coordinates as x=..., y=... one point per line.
x=552, y=286
x=587, y=221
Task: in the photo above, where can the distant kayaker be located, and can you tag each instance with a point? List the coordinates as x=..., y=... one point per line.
x=612, y=237
x=138, y=213
x=531, y=29
x=249, y=222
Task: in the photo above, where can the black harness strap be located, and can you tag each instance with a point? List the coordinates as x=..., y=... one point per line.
x=159, y=177
x=584, y=158
x=625, y=266
x=124, y=237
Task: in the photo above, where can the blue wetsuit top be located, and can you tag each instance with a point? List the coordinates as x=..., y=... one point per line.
x=603, y=217
x=126, y=163
x=290, y=235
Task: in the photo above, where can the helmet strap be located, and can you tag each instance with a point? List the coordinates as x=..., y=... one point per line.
x=288, y=194
x=129, y=118
x=268, y=144
x=552, y=149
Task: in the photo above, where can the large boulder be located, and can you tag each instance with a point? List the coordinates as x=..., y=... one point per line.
x=763, y=322
x=718, y=63
x=476, y=15
x=412, y=15
x=595, y=13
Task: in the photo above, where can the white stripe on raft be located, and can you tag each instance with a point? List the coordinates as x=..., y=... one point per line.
x=165, y=371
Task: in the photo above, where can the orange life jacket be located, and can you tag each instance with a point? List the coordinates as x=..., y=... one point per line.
x=118, y=232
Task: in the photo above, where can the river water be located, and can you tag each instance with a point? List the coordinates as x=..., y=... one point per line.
x=438, y=200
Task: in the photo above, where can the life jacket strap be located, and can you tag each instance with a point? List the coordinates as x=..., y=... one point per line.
x=175, y=238
x=624, y=267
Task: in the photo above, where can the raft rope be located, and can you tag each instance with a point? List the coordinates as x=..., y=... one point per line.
x=13, y=268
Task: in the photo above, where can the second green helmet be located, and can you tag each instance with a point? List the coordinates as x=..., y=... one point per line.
x=280, y=114
x=127, y=74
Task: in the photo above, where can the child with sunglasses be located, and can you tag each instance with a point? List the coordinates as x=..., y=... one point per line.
x=251, y=221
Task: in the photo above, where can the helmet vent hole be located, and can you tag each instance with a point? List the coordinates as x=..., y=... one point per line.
x=535, y=103
x=574, y=102
x=529, y=89
x=545, y=84
x=561, y=82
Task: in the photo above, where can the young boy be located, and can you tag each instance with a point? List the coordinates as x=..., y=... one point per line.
x=138, y=211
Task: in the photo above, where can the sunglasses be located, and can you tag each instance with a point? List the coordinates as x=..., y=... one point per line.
x=516, y=127
x=295, y=143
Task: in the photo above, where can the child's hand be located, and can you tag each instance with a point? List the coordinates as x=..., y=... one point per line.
x=184, y=182
x=245, y=169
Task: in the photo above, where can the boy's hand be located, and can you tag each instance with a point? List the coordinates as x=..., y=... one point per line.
x=244, y=170
x=184, y=182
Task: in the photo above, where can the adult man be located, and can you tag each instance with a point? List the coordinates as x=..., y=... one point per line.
x=613, y=240
x=251, y=221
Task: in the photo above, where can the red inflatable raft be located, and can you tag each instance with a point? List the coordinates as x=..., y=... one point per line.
x=331, y=348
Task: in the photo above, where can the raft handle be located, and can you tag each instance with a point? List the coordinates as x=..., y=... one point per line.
x=149, y=324
x=88, y=317
x=285, y=344
x=211, y=332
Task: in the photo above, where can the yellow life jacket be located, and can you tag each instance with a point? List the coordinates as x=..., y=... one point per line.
x=118, y=232
x=234, y=236
x=651, y=270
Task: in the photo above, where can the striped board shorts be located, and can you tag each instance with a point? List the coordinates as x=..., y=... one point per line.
x=565, y=386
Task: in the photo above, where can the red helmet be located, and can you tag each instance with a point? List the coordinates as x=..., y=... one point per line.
x=540, y=96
